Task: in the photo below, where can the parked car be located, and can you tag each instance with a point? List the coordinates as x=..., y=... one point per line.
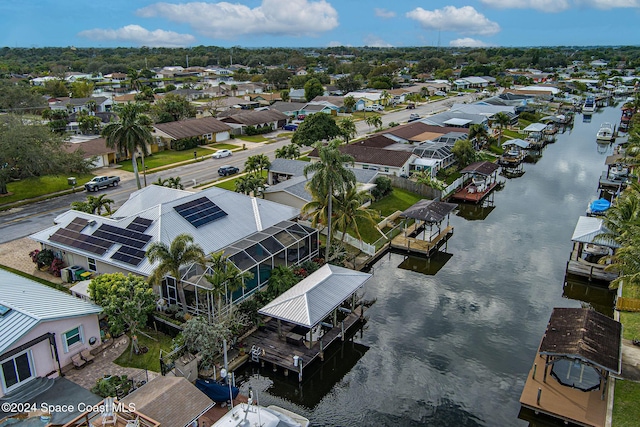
x=440, y=93
x=378, y=107
x=101, y=182
x=301, y=116
x=220, y=154
x=411, y=106
x=414, y=117
x=290, y=126
x=227, y=170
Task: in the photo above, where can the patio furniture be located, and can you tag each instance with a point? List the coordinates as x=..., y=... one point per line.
x=133, y=423
x=87, y=356
x=78, y=362
x=108, y=412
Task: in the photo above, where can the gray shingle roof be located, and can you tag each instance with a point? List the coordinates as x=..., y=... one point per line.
x=372, y=155
x=288, y=166
x=32, y=303
x=253, y=118
x=192, y=127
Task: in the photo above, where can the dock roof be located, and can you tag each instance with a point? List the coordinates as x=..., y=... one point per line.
x=316, y=296
x=429, y=211
x=481, y=168
x=582, y=333
x=589, y=228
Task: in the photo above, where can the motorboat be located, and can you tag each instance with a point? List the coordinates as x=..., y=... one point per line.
x=589, y=105
x=605, y=133
x=248, y=415
x=618, y=173
x=598, y=207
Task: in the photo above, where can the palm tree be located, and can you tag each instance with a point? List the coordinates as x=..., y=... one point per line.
x=225, y=279
x=249, y=183
x=502, y=119
x=349, y=103
x=374, y=121
x=131, y=133
x=478, y=133
x=281, y=279
x=257, y=163
x=330, y=177
x=284, y=96
x=161, y=182
x=348, y=128
x=175, y=183
x=171, y=259
x=289, y=151
x=385, y=97
x=348, y=210
x=99, y=202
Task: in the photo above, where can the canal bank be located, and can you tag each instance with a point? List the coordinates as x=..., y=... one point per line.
x=450, y=340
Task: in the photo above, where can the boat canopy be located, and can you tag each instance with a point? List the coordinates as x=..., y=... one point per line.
x=588, y=229
x=535, y=127
x=429, y=211
x=518, y=142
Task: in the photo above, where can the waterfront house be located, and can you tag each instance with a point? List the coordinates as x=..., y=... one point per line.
x=388, y=162
x=41, y=329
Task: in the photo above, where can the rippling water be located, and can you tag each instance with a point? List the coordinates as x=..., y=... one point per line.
x=450, y=341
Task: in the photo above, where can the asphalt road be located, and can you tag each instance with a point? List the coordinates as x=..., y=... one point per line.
x=20, y=222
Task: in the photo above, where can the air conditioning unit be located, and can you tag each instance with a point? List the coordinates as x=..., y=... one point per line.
x=66, y=275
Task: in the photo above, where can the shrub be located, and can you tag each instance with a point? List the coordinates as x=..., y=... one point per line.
x=186, y=143
x=44, y=257
x=383, y=187
x=252, y=130
x=113, y=386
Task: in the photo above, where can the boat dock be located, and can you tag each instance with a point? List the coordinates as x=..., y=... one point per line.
x=467, y=194
x=404, y=242
x=289, y=350
x=590, y=270
x=607, y=183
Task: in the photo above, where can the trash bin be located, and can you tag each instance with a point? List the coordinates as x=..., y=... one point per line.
x=71, y=180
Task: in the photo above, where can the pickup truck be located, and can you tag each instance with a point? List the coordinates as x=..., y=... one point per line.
x=102, y=181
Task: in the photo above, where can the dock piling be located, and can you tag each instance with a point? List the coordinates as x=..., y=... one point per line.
x=539, y=395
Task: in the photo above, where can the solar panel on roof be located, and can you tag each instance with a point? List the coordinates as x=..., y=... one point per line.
x=139, y=224
x=200, y=211
x=129, y=255
x=77, y=224
x=80, y=241
x=122, y=236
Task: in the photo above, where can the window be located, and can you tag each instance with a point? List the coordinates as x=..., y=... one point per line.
x=208, y=136
x=72, y=337
x=92, y=264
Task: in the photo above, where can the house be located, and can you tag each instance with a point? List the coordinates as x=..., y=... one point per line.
x=365, y=99
x=291, y=109
x=320, y=107
x=417, y=132
x=73, y=105
x=437, y=154
x=209, y=129
x=95, y=148
x=486, y=110
x=456, y=119
x=41, y=328
x=188, y=94
x=288, y=185
x=258, y=119
x=297, y=95
x=388, y=162
x=334, y=102
x=217, y=219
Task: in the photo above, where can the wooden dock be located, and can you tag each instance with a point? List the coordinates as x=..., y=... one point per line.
x=591, y=271
x=424, y=247
x=561, y=402
x=616, y=184
x=473, y=197
x=279, y=350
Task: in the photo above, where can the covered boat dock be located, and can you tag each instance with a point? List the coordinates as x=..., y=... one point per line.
x=426, y=214
x=307, y=318
x=591, y=242
x=580, y=349
x=480, y=179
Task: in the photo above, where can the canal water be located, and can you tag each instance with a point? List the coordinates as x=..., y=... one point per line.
x=450, y=341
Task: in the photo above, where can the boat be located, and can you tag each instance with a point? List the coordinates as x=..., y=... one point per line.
x=598, y=207
x=605, y=133
x=216, y=391
x=589, y=105
x=248, y=414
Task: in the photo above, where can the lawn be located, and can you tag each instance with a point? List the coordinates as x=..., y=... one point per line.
x=28, y=188
x=223, y=146
x=253, y=138
x=230, y=184
x=398, y=200
x=626, y=411
x=164, y=158
x=151, y=359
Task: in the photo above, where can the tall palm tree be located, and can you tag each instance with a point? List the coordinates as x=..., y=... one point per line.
x=348, y=210
x=330, y=177
x=503, y=120
x=374, y=121
x=100, y=202
x=385, y=97
x=172, y=258
x=175, y=183
x=257, y=163
x=348, y=128
x=349, y=103
x=478, y=133
x=131, y=133
x=225, y=278
x=289, y=151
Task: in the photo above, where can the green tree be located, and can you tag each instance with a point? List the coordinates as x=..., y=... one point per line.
x=82, y=88
x=315, y=128
x=348, y=210
x=464, y=152
x=277, y=77
x=182, y=252
x=56, y=88
x=28, y=150
x=284, y=95
x=126, y=301
x=257, y=163
x=281, y=279
x=313, y=88
x=349, y=103
x=385, y=97
x=348, y=84
x=19, y=99
x=502, y=120
x=89, y=125
x=250, y=183
x=225, y=278
x=58, y=120
x=374, y=121
x=348, y=128
x=289, y=151
x=175, y=182
x=478, y=133
x=330, y=176
x=173, y=108
x=131, y=133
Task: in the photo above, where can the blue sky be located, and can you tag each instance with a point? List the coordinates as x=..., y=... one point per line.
x=318, y=23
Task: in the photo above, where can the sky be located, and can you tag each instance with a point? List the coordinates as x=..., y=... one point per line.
x=318, y=23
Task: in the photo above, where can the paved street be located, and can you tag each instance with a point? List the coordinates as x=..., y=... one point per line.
x=25, y=220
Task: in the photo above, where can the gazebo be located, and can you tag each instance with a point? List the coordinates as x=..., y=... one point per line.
x=480, y=179
x=429, y=212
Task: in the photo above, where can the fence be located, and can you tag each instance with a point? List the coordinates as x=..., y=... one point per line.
x=349, y=239
x=452, y=187
x=415, y=187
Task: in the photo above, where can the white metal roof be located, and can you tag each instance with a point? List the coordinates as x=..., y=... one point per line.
x=457, y=122
x=316, y=296
x=32, y=303
x=518, y=142
x=588, y=229
x=535, y=127
x=148, y=196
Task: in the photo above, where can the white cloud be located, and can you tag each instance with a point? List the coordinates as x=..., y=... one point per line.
x=384, y=13
x=560, y=5
x=227, y=20
x=467, y=42
x=140, y=36
x=375, y=41
x=465, y=20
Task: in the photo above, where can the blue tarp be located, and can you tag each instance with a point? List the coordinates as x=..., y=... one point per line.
x=216, y=391
x=600, y=205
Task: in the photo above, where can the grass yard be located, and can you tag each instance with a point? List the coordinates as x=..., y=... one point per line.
x=230, y=184
x=511, y=134
x=631, y=322
x=151, y=359
x=398, y=200
x=164, y=158
x=28, y=188
x=253, y=138
x=223, y=146
x=626, y=411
